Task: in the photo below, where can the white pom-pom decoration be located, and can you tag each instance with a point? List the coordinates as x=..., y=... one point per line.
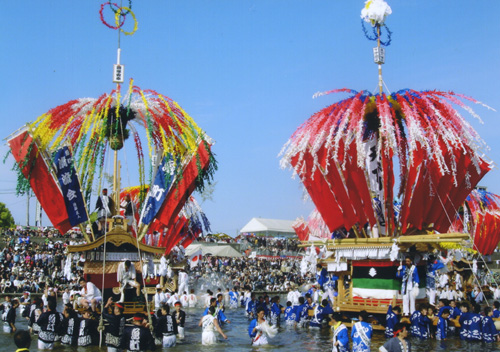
x=375, y=11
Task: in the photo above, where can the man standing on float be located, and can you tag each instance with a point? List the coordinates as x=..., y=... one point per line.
x=433, y=265
x=104, y=205
x=409, y=285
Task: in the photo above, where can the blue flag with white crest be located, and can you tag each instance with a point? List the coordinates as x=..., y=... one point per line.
x=163, y=181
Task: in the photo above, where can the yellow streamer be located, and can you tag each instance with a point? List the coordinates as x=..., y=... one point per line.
x=63, y=133
x=166, y=145
x=453, y=245
x=147, y=134
x=183, y=135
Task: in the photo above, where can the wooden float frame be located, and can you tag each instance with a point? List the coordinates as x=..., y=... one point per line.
x=345, y=302
x=118, y=239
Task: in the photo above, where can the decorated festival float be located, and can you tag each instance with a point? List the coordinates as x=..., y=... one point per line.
x=64, y=157
x=388, y=174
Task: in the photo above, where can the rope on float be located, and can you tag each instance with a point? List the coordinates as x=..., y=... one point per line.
x=101, y=318
x=134, y=225
x=473, y=245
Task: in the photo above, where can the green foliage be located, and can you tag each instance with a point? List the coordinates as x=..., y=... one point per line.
x=93, y=217
x=208, y=191
x=6, y=219
x=116, y=125
x=116, y=129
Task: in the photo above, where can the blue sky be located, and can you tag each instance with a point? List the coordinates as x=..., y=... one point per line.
x=246, y=72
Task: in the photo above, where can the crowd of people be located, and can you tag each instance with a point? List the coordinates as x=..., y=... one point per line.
x=310, y=302
x=311, y=309
x=274, y=245
x=38, y=232
x=444, y=318
x=261, y=274
x=31, y=266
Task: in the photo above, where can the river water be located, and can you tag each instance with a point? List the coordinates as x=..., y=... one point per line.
x=238, y=339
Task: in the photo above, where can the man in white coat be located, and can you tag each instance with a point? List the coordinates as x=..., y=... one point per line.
x=458, y=282
x=159, y=297
x=444, y=280
x=183, y=280
x=90, y=294
x=192, y=299
x=127, y=277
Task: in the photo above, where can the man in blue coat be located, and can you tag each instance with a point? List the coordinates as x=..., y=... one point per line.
x=409, y=285
x=433, y=265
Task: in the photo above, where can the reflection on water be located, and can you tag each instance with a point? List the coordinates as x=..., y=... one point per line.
x=286, y=340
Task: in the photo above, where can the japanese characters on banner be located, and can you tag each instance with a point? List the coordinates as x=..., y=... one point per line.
x=70, y=187
x=376, y=180
x=156, y=196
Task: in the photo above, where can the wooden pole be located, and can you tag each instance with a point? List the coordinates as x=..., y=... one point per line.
x=432, y=238
x=380, y=81
x=115, y=180
x=28, y=208
x=356, y=232
x=363, y=231
x=350, y=285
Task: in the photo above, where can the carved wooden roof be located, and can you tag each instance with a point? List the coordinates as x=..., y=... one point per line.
x=118, y=239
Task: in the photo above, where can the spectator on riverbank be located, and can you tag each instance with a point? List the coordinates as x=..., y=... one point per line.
x=257, y=273
x=29, y=263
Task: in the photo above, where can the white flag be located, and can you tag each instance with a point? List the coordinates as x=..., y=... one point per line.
x=195, y=259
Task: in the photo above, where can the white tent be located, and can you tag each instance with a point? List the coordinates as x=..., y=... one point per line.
x=269, y=228
x=219, y=250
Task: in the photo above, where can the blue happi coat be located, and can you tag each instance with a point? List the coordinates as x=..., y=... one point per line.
x=496, y=313
x=320, y=313
x=252, y=325
x=442, y=329
x=391, y=320
x=361, y=342
x=341, y=335
x=489, y=331
x=233, y=299
x=322, y=277
x=221, y=317
x=290, y=315
x=475, y=327
x=405, y=275
x=420, y=325
x=251, y=307
x=471, y=326
x=465, y=320
x=431, y=273
x=443, y=308
x=301, y=314
x=455, y=312
x=275, y=314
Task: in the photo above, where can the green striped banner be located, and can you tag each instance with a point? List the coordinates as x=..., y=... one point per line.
x=377, y=284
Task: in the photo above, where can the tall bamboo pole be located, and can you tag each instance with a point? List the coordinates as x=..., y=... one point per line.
x=380, y=81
